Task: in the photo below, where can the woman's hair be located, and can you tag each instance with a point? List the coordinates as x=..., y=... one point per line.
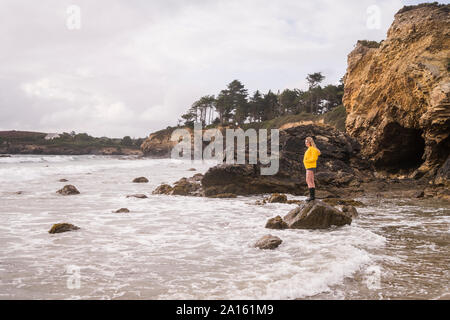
x=311, y=142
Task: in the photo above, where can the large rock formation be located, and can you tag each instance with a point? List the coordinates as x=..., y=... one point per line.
x=338, y=166
x=397, y=92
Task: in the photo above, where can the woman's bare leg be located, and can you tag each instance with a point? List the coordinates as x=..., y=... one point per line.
x=313, y=185
x=310, y=178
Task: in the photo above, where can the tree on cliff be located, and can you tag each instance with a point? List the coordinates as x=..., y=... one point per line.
x=238, y=101
x=233, y=104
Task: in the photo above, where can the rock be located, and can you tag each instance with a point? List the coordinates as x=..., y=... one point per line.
x=316, y=215
x=192, y=169
x=260, y=202
x=138, y=195
x=338, y=201
x=183, y=187
x=158, y=144
x=5, y=156
x=339, y=166
x=268, y=242
x=350, y=211
x=19, y=192
x=63, y=180
x=186, y=187
x=163, y=189
x=140, y=180
x=122, y=210
x=277, y=198
x=397, y=100
x=276, y=223
x=294, y=201
x=224, y=195
x=62, y=227
x=321, y=194
x=68, y=190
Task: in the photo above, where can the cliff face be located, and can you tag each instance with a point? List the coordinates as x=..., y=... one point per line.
x=397, y=94
x=158, y=144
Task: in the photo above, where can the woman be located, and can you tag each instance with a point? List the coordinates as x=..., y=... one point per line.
x=310, y=162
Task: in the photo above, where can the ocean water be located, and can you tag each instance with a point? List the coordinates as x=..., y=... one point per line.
x=176, y=247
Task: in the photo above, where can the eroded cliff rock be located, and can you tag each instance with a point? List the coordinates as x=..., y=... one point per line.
x=397, y=94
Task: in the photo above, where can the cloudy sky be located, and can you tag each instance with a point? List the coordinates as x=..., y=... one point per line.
x=131, y=67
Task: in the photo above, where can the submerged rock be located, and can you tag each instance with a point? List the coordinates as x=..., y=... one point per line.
x=68, y=190
x=138, y=195
x=268, y=242
x=140, y=180
x=343, y=202
x=276, y=223
x=63, y=180
x=192, y=169
x=62, y=227
x=224, y=195
x=122, y=210
x=316, y=215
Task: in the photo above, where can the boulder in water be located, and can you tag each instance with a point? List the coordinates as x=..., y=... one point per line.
x=140, y=180
x=268, y=242
x=276, y=223
x=183, y=187
x=316, y=215
x=350, y=211
x=62, y=227
x=68, y=190
x=122, y=210
x=163, y=189
x=63, y=180
x=277, y=198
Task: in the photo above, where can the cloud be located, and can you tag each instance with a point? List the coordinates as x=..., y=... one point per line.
x=136, y=66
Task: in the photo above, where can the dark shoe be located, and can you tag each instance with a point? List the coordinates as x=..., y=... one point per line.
x=311, y=196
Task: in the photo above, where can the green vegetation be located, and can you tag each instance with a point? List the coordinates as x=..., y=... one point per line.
x=69, y=140
x=369, y=44
x=336, y=118
x=233, y=106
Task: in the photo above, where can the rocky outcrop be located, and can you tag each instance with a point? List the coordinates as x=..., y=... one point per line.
x=316, y=215
x=68, y=190
x=338, y=166
x=268, y=242
x=158, y=144
x=62, y=227
x=397, y=93
x=140, y=180
x=183, y=187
